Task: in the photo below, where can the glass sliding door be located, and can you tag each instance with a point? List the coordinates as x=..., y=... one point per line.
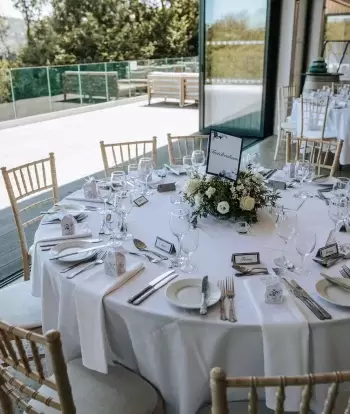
x=236, y=53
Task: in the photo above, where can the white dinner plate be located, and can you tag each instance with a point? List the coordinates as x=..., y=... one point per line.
x=70, y=246
x=70, y=208
x=332, y=293
x=187, y=293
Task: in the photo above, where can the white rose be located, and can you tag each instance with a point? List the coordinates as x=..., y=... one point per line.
x=247, y=203
x=198, y=200
x=223, y=207
x=209, y=177
x=240, y=187
x=192, y=186
x=210, y=192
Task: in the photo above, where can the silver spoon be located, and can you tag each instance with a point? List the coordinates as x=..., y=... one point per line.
x=140, y=245
x=286, y=264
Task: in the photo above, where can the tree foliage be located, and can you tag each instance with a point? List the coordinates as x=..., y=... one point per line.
x=83, y=31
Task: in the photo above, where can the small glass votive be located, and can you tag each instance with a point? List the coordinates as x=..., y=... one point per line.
x=242, y=227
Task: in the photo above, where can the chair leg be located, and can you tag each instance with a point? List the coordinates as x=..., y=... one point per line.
x=288, y=146
x=278, y=143
x=336, y=158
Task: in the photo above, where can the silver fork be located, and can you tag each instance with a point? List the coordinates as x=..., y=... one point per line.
x=230, y=294
x=99, y=260
x=221, y=286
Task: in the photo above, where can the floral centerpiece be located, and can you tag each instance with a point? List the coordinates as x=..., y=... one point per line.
x=225, y=199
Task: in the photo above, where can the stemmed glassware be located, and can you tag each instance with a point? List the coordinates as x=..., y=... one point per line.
x=254, y=161
x=198, y=159
x=302, y=171
x=305, y=242
x=113, y=225
x=337, y=210
x=286, y=226
x=133, y=173
x=179, y=224
x=118, y=181
x=104, y=189
x=145, y=171
x=187, y=164
x=341, y=187
x=124, y=204
x=189, y=243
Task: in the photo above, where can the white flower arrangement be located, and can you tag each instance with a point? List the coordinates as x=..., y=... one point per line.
x=225, y=199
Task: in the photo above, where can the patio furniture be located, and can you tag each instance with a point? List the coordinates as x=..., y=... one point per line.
x=120, y=155
x=91, y=84
x=72, y=388
x=219, y=383
x=285, y=97
x=181, y=86
x=184, y=146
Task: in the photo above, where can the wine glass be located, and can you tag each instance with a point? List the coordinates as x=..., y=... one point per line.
x=254, y=161
x=189, y=243
x=286, y=225
x=133, y=172
x=104, y=192
x=145, y=171
x=124, y=205
x=337, y=210
x=341, y=187
x=198, y=159
x=113, y=225
x=305, y=242
x=187, y=164
x=179, y=224
x=118, y=181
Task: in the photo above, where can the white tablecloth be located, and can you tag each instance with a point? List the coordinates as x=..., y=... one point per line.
x=337, y=125
x=174, y=348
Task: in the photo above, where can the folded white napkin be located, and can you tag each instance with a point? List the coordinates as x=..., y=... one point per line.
x=79, y=196
x=285, y=340
x=48, y=234
x=90, y=314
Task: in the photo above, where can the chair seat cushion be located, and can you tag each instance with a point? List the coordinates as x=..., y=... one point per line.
x=120, y=391
x=18, y=307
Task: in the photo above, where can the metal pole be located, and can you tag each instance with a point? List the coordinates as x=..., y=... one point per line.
x=13, y=95
x=106, y=79
x=80, y=90
x=49, y=86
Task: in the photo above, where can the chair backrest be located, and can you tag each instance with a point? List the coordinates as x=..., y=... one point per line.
x=14, y=346
x=313, y=116
x=184, y=146
x=24, y=181
x=121, y=154
x=219, y=383
x=286, y=95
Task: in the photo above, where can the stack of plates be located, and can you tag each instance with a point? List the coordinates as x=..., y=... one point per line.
x=70, y=246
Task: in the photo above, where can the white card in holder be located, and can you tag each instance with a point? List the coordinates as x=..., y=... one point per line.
x=90, y=189
x=68, y=225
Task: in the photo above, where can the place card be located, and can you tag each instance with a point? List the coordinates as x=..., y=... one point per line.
x=328, y=251
x=245, y=258
x=163, y=188
x=68, y=225
x=140, y=201
x=164, y=245
x=277, y=185
x=224, y=155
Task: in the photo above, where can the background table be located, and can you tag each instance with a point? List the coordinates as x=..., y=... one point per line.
x=337, y=125
x=174, y=348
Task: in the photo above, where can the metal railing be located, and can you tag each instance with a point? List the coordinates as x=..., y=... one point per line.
x=39, y=90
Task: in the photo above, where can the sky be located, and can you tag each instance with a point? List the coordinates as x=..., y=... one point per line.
x=7, y=9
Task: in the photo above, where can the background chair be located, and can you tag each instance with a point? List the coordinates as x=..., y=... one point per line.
x=121, y=154
x=72, y=388
x=17, y=305
x=219, y=384
x=315, y=143
x=285, y=98
x=180, y=146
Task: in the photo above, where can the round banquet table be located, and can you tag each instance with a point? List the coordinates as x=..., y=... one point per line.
x=175, y=348
x=337, y=125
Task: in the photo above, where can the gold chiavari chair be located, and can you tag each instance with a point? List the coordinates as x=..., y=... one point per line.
x=121, y=154
x=184, y=146
x=219, y=383
x=17, y=305
x=72, y=388
x=285, y=98
x=315, y=143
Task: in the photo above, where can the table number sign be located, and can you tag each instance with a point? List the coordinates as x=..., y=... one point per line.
x=162, y=188
x=245, y=258
x=164, y=245
x=328, y=251
x=224, y=155
x=140, y=201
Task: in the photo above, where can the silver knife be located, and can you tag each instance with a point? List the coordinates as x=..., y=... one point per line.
x=90, y=249
x=204, y=303
x=154, y=289
x=303, y=299
x=150, y=285
x=335, y=281
x=295, y=284
x=42, y=246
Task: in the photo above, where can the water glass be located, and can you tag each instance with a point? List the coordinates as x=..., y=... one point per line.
x=133, y=173
x=187, y=164
x=113, y=225
x=124, y=205
x=198, y=159
x=189, y=243
x=254, y=161
x=305, y=242
x=341, y=187
x=337, y=210
x=145, y=172
x=118, y=181
x=179, y=224
x=104, y=189
x=302, y=169
x=286, y=225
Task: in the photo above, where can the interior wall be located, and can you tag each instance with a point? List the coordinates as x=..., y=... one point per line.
x=316, y=28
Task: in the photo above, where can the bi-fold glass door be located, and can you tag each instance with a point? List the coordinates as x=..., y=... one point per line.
x=238, y=60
